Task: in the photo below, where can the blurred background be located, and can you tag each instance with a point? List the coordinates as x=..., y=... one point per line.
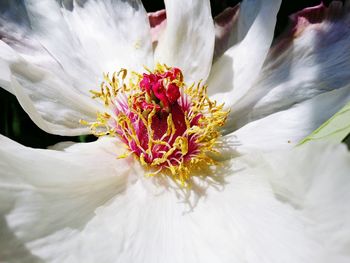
x=15, y=123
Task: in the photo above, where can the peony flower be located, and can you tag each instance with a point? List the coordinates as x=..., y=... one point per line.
x=176, y=176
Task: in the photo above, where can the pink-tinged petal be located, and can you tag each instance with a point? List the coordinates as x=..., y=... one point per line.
x=306, y=17
x=310, y=58
x=157, y=21
x=225, y=30
x=303, y=19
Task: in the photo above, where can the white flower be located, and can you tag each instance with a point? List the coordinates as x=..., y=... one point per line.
x=78, y=203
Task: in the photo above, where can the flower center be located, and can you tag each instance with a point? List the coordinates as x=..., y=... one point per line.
x=167, y=125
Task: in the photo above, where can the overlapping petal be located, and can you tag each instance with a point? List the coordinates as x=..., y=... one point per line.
x=51, y=104
x=76, y=46
x=79, y=203
x=188, y=39
x=285, y=104
x=47, y=193
x=262, y=214
x=311, y=58
x=235, y=72
x=285, y=129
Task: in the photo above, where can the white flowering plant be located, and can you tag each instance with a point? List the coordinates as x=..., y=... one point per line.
x=204, y=127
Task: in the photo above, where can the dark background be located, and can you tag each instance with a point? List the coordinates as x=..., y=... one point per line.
x=15, y=123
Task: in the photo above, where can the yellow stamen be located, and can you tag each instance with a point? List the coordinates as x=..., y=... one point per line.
x=173, y=151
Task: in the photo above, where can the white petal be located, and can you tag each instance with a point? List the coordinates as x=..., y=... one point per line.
x=235, y=72
x=50, y=99
x=188, y=40
x=114, y=34
x=75, y=48
x=245, y=221
x=286, y=128
x=311, y=58
x=50, y=103
x=11, y=12
x=7, y=55
x=315, y=179
x=45, y=192
x=100, y=35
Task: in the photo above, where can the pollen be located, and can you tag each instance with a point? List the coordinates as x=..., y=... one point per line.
x=169, y=126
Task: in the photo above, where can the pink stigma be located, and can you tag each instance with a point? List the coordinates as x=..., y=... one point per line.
x=168, y=125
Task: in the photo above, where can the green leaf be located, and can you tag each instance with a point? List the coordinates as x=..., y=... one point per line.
x=82, y=138
x=336, y=129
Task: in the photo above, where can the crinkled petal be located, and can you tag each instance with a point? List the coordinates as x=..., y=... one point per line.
x=254, y=217
x=285, y=129
x=188, y=40
x=76, y=47
x=311, y=58
x=235, y=72
x=54, y=193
